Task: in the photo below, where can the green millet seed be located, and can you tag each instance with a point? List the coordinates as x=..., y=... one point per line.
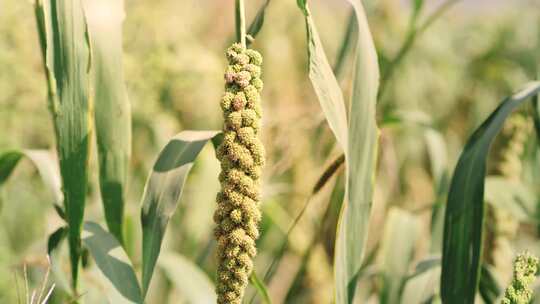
x=242, y=157
x=519, y=292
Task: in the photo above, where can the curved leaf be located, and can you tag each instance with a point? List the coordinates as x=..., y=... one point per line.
x=112, y=109
x=113, y=262
x=361, y=159
x=163, y=190
x=258, y=21
x=260, y=287
x=55, y=239
x=192, y=283
x=464, y=217
x=44, y=163
x=358, y=139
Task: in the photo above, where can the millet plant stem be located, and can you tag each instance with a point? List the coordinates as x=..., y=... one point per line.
x=240, y=14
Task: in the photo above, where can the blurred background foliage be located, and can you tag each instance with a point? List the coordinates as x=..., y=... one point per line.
x=455, y=74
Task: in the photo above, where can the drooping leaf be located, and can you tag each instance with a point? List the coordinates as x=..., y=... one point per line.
x=260, y=287
x=464, y=217
x=192, y=283
x=163, y=190
x=398, y=245
x=64, y=38
x=44, y=163
x=56, y=238
x=113, y=262
x=361, y=159
x=258, y=21
x=112, y=107
x=358, y=139
x=324, y=82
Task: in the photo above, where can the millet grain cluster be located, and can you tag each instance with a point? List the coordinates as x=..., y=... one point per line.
x=241, y=154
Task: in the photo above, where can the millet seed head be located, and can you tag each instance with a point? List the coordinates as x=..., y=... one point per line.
x=241, y=154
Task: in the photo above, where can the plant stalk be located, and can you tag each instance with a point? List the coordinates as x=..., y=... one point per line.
x=240, y=14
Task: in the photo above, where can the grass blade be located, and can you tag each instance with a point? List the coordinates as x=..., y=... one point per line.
x=64, y=38
x=192, y=283
x=324, y=82
x=257, y=23
x=358, y=140
x=361, y=159
x=112, y=109
x=163, y=190
x=464, y=217
x=55, y=239
x=112, y=261
x=260, y=287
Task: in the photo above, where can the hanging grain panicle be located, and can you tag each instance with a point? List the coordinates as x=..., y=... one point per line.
x=519, y=291
x=502, y=225
x=242, y=157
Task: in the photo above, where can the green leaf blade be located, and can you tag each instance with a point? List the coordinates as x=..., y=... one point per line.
x=260, y=287
x=463, y=225
x=163, y=191
x=67, y=60
x=113, y=262
x=112, y=107
x=42, y=161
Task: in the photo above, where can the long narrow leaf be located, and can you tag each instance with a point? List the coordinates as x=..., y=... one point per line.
x=324, y=82
x=113, y=262
x=358, y=140
x=163, y=190
x=464, y=217
x=260, y=287
x=361, y=159
x=113, y=111
x=67, y=63
x=257, y=23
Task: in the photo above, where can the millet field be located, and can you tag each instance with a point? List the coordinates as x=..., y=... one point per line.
x=269, y=151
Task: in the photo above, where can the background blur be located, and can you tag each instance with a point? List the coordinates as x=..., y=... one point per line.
x=455, y=74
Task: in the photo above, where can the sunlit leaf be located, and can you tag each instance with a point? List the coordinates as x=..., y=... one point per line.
x=163, y=190
x=358, y=139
